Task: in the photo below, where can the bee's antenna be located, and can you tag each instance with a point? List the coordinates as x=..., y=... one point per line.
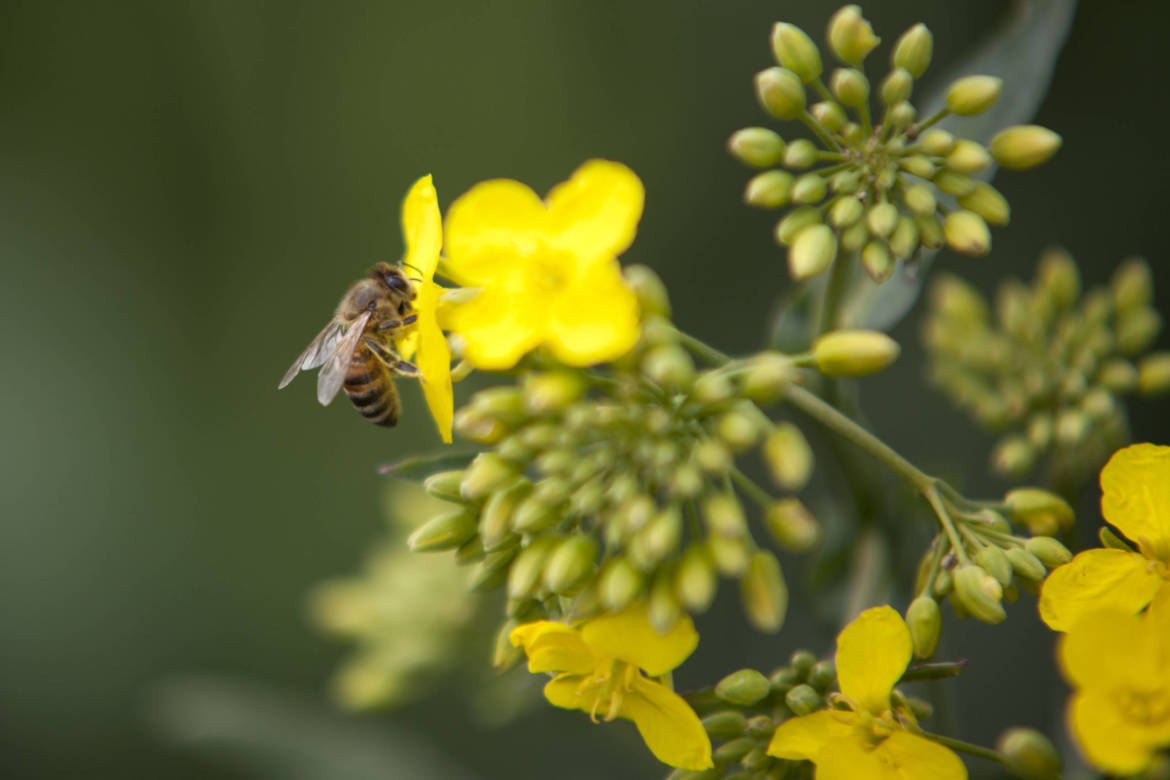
x=411, y=267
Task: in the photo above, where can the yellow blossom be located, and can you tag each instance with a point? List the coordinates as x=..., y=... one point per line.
x=864, y=734
x=1118, y=663
x=422, y=228
x=606, y=667
x=545, y=272
x=1135, y=499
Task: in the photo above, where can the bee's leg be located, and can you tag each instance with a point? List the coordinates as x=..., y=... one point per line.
x=410, y=319
x=397, y=365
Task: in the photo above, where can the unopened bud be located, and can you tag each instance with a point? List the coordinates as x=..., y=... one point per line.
x=1132, y=284
x=725, y=725
x=966, y=232
x=1118, y=375
x=662, y=606
x=495, y=522
x=780, y=92
x=953, y=183
x=1024, y=146
x=987, y=202
x=800, y=154
x=533, y=514
x=789, y=456
x=1154, y=374
x=795, y=50
x=996, y=563
x=695, y=580
x=445, y=485
x=670, y=366
x=877, y=261
x=882, y=219
x=904, y=240
x=902, y=114
x=803, y=699
x=1026, y=564
x=925, y=624
x=795, y=222
x=809, y=189
x=445, y=532
x=812, y=251
x=979, y=593
x=823, y=675
x=569, y=563
x=766, y=376
x=968, y=157
x=919, y=199
x=723, y=514
x=648, y=289
x=525, y=572
x=764, y=592
x=973, y=95
x=745, y=687
x=486, y=474
x=1013, y=455
x=1050, y=552
x=913, y=50
x=854, y=352
x=659, y=538
x=1028, y=754
x=919, y=165
x=845, y=211
x=1137, y=328
x=854, y=237
x=849, y=86
x=739, y=429
x=758, y=147
x=792, y=525
x=1059, y=276
x=712, y=456
x=831, y=116
x=1043, y=513
x=896, y=87
x=768, y=190
x=730, y=554
x=552, y=391
x=850, y=35
x=937, y=142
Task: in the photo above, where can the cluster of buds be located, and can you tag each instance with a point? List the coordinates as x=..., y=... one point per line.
x=977, y=562
x=407, y=616
x=1050, y=368
x=883, y=188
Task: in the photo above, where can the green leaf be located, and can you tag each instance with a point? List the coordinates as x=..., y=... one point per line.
x=1023, y=53
x=419, y=467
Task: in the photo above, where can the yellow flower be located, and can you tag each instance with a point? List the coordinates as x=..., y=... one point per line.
x=605, y=667
x=546, y=271
x=1135, y=486
x=870, y=738
x=422, y=227
x=1119, y=665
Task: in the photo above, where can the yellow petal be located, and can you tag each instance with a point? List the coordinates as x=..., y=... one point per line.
x=553, y=647
x=1093, y=580
x=1109, y=649
x=434, y=360
x=499, y=326
x=912, y=757
x=628, y=636
x=851, y=759
x=668, y=725
x=804, y=737
x=422, y=227
x=1106, y=738
x=872, y=654
x=492, y=226
x=1135, y=486
x=565, y=692
x=595, y=214
x=595, y=319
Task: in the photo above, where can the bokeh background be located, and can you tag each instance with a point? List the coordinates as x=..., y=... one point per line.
x=187, y=187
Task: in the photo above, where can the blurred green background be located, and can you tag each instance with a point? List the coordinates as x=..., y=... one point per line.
x=186, y=189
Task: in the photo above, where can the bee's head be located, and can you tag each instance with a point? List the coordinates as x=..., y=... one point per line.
x=393, y=278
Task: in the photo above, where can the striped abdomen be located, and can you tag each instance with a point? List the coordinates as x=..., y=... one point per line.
x=370, y=388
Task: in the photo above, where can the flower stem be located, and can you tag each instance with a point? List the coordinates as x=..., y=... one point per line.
x=812, y=124
x=966, y=747
x=829, y=306
x=701, y=350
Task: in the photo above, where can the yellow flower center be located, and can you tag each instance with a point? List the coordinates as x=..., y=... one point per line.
x=608, y=687
x=548, y=272
x=870, y=728
x=1150, y=707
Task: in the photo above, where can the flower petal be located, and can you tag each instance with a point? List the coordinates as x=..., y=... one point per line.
x=804, y=737
x=850, y=759
x=1108, y=648
x=564, y=691
x=494, y=225
x=917, y=758
x=595, y=319
x=422, y=227
x=1095, y=579
x=668, y=725
x=1135, y=486
x=628, y=636
x=595, y=213
x=1108, y=740
x=872, y=654
x=553, y=647
x=499, y=325
x=434, y=359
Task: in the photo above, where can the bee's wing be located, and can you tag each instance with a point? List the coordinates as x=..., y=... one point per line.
x=332, y=376
x=318, y=351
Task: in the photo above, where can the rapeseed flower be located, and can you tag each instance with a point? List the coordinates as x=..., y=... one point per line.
x=607, y=667
x=869, y=737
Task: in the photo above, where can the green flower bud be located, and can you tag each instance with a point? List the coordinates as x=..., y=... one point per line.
x=766, y=376
x=968, y=157
x=445, y=532
x=686, y=481
x=495, y=522
x=588, y=498
x=663, y=606
x=937, y=142
x=1050, y=552
x=882, y=219
x=854, y=237
x=789, y=456
x=695, y=581
x=712, y=457
x=913, y=50
x=801, y=663
x=967, y=233
x=1013, y=455
x=943, y=583
x=849, y=86
x=829, y=114
x=897, y=86
x=954, y=183
x=854, y=352
x=823, y=675
x=902, y=115
x=792, y=526
x=1118, y=375
x=739, y=430
x=745, y=688
x=569, y=563
x=803, y=700
x=728, y=724
x=996, y=563
x=1132, y=285
x=470, y=423
x=876, y=259
x=493, y=569
x=780, y=92
x=812, y=251
x=732, y=752
x=764, y=592
x=758, y=147
x=553, y=391
x=845, y=211
x=1098, y=404
x=852, y=133
x=504, y=653
x=800, y=154
x=850, y=36
x=533, y=514
x=919, y=165
x=925, y=624
x=730, y=554
x=1043, y=513
x=528, y=566
x=670, y=366
x=1154, y=374
x=1137, y=328
x=987, y=202
x=904, y=240
x=809, y=189
x=486, y=474
x=619, y=584
x=1026, y=564
x=1059, y=277
x=796, y=221
x=652, y=299
x=1029, y=754
x=712, y=387
x=973, y=95
x=445, y=485
x=1071, y=427
x=920, y=199
x=659, y=538
x=768, y=190
x=723, y=515
x=795, y=50
x=847, y=181
x=1024, y=146
x=1112, y=540
x=979, y=593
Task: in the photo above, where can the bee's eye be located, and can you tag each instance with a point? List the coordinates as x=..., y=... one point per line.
x=395, y=282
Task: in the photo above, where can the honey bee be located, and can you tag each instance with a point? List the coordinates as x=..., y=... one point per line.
x=356, y=348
